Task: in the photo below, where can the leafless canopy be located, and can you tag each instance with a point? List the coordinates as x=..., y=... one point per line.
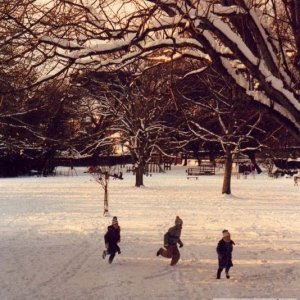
x=247, y=40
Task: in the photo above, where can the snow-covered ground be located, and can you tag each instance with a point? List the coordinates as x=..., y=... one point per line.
x=51, y=238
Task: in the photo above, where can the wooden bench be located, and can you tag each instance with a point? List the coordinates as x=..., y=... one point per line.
x=204, y=169
x=193, y=172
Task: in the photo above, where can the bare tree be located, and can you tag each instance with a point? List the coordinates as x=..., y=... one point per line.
x=254, y=44
x=214, y=115
x=102, y=174
x=231, y=34
x=27, y=116
x=136, y=107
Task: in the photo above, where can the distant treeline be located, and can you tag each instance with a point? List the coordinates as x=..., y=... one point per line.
x=18, y=165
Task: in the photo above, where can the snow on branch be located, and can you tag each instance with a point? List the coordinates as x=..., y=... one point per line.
x=197, y=71
x=61, y=43
x=262, y=98
x=231, y=37
x=221, y=10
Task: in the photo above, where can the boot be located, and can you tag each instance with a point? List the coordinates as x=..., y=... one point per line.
x=158, y=252
x=111, y=258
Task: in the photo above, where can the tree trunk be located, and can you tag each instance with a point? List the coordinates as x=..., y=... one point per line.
x=199, y=160
x=212, y=158
x=105, y=200
x=139, y=175
x=227, y=174
x=185, y=159
x=254, y=163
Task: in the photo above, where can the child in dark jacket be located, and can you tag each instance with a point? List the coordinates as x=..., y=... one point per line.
x=224, y=250
x=171, y=239
x=111, y=239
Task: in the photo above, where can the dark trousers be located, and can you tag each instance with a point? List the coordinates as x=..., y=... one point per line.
x=111, y=256
x=112, y=253
x=220, y=271
x=171, y=252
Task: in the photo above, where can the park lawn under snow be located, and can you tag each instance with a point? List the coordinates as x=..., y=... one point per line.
x=51, y=237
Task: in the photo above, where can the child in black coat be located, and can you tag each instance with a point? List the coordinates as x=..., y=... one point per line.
x=111, y=239
x=224, y=250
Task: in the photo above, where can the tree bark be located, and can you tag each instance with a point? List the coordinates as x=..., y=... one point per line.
x=212, y=158
x=253, y=161
x=185, y=159
x=227, y=174
x=105, y=200
x=139, y=175
x=105, y=187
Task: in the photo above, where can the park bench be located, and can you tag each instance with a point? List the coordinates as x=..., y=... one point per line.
x=203, y=169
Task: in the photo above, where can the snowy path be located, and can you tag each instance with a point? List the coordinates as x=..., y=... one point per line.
x=51, y=238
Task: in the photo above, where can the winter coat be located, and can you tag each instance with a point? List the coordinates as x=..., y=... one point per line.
x=172, y=237
x=224, y=250
x=112, y=238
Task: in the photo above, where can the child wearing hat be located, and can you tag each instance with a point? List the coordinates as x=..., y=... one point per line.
x=224, y=250
x=111, y=239
x=171, y=239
